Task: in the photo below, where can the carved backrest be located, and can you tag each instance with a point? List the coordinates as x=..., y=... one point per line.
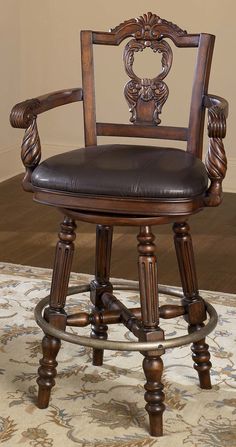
x=146, y=97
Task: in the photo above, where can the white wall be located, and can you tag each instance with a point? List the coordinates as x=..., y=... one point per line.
x=9, y=85
x=49, y=59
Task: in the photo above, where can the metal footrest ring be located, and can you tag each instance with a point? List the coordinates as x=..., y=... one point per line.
x=125, y=345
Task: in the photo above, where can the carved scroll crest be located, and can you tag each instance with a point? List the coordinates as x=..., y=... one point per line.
x=146, y=97
x=149, y=26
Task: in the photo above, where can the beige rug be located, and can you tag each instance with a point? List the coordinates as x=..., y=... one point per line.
x=104, y=406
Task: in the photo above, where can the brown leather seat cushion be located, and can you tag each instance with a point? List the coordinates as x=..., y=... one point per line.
x=124, y=171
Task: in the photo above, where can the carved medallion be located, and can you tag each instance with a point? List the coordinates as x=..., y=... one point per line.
x=145, y=96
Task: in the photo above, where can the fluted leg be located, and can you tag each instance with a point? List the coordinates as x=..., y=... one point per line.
x=101, y=283
x=55, y=314
x=196, y=307
x=152, y=363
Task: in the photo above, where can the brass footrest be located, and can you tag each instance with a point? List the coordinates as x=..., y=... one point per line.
x=125, y=345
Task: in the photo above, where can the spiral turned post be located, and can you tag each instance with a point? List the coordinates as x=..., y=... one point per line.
x=24, y=116
x=216, y=161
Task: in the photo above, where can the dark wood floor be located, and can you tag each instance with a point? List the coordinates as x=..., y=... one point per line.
x=28, y=233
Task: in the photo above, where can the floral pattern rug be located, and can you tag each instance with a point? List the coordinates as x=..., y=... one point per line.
x=104, y=406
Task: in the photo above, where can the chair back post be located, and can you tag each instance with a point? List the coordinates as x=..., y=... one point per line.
x=200, y=87
x=89, y=105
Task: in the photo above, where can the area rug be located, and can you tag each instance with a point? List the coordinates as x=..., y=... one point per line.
x=104, y=406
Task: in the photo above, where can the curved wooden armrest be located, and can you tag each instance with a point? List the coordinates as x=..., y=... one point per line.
x=24, y=112
x=213, y=100
x=216, y=161
x=24, y=116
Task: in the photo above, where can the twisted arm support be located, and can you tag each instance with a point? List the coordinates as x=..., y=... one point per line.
x=24, y=116
x=216, y=161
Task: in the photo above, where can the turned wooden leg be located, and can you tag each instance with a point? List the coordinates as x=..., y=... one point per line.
x=101, y=283
x=201, y=358
x=152, y=363
x=55, y=314
x=196, y=307
x=154, y=396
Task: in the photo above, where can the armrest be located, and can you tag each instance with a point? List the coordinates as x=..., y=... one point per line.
x=24, y=116
x=213, y=100
x=24, y=112
x=216, y=161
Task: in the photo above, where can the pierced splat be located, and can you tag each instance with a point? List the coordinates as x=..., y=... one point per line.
x=146, y=97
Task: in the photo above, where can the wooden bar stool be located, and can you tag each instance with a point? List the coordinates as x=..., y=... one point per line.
x=125, y=184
